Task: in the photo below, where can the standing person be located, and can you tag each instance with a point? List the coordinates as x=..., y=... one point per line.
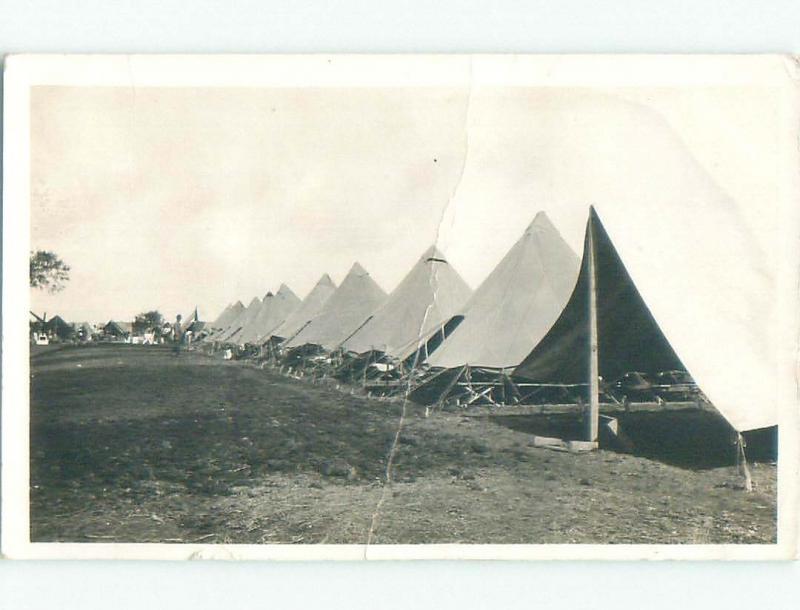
x=177, y=337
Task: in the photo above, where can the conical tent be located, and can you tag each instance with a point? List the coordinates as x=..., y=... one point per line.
x=222, y=324
x=274, y=310
x=240, y=336
x=223, y=317
x=228, y=318
x=430, y=294
x=516, y=304
x=309, y=309
x=236, y=310
x=712, y=268
x=231, y=333
x=630, y=338
x=190, y=319
x=346, y=310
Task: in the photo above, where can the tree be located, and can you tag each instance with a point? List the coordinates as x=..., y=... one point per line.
x=48, y=271
x=148, y=321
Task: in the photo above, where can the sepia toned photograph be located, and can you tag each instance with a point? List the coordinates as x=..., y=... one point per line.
x=400, y=306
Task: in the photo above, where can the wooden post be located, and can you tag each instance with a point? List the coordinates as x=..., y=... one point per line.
x=593, y=415
x=741, y=459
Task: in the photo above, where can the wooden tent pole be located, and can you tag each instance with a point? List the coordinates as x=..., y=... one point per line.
x=592, y=421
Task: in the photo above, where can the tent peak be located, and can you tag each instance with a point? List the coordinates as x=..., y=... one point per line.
x=286, y=293
x=516, y=304
x=345, y=310
x=357, y=269
x=433, y=255
x=540, y=222
x=325, y=280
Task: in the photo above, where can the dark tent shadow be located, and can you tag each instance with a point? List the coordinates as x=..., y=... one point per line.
x=694, y=439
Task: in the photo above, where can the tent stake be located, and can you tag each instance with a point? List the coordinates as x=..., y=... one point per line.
x=592, y=421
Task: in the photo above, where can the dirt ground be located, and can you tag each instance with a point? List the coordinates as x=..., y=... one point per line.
x=133, y=444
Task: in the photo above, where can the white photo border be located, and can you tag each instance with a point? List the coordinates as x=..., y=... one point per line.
x=24, y=72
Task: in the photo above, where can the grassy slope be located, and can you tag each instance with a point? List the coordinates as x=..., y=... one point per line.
x=131, y=444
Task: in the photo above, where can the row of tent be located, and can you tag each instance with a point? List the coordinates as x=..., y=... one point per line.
x=499, y=321
x=529, y=319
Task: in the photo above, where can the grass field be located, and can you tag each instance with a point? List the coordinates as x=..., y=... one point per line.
x=133, y=444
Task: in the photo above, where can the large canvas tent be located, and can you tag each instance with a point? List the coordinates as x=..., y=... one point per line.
x=649, y=321
x=222, y=324
x=274, y=311
x=308, y=310
x=711, y=268
x=230, y=334
x=516, y=304
x=228, y=315
x=240, y=336
x=344, y=312
x=188, y=321
x=194, y=325
x=221, y=317
x=236, y=310
x=430, y=294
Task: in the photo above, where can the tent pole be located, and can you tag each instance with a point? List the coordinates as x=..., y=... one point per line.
x=592, y=421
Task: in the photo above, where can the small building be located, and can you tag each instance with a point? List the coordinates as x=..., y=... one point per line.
x=119, y=331
x=57, y=328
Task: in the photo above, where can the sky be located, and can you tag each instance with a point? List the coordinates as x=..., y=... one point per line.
x=167, y=198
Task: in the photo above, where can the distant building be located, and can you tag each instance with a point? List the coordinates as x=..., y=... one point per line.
x=57, y=328
x=53, y=329
x=117, y=330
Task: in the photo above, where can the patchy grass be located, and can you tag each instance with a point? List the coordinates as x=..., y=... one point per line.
x=133, y=444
